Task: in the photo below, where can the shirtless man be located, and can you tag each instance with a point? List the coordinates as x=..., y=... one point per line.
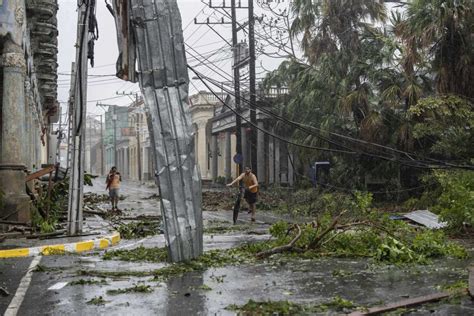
x=251, y=189
x=113, y=185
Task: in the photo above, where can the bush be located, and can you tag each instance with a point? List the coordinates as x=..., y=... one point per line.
x=456, y=202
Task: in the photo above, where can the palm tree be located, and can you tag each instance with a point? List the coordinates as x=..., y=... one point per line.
x=332, y=30
x=443, y=31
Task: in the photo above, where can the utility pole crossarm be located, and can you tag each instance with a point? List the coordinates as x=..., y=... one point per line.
x=207, y=22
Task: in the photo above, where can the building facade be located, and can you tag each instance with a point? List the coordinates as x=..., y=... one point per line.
x=28, y=97
x=128, y=146
x=215, y=143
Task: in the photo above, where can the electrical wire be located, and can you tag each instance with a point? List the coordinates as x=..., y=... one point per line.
x=348, y=138
x=261, y=129
x=411, y=163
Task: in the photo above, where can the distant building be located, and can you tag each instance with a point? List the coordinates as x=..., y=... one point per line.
x=127, y=141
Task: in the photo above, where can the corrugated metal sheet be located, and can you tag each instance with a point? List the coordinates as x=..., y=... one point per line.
x=425, y=218
x=125, y=66
x=163, y=78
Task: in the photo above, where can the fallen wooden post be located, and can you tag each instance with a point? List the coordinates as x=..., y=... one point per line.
x=471, y=282
x=403, y=303
x=40, y=173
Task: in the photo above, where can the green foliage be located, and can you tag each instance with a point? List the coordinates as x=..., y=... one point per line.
x=138, y=229
x=221, y=180
x=268, y=308
x=456, y=201
x=138, y=254
x=87, y=282
x=406, y=84
x=433, y=244
x=226, y=228
x=97, y=300
x=456, y=287
x=205, y=287
x=137, y=288
x=445, y=124
x=381, y=239
x=290, y=308
x=52, y=206
x=88, y=179
x=394, y=251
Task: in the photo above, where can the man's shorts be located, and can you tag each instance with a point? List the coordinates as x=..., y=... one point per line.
x=250, y=197
x=114, y=193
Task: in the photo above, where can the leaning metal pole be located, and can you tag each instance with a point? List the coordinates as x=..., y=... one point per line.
x=162, y=73
x=76, y=178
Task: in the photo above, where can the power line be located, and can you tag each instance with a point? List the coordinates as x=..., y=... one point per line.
x=411, y=163
x=261, y=129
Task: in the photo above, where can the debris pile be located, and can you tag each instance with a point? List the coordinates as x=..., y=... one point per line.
x=91, y=199
x=138, y=229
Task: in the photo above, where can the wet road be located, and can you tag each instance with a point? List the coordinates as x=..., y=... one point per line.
x=211, y=291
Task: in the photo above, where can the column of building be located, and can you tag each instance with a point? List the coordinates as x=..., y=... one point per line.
x=227, y=156
x=12, y=159
x=214, y=161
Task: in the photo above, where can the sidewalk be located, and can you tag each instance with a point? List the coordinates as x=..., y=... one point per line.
x=97, y=234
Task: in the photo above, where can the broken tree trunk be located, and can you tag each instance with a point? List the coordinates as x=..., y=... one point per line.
x=159, y=45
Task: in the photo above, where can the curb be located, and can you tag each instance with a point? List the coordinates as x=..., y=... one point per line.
x=60, y=249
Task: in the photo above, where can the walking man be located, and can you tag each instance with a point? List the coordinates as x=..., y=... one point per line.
x=113, y=185
x=251, y=189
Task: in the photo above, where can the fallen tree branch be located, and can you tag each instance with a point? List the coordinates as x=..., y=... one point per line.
x=315, y=242
x=281, y=249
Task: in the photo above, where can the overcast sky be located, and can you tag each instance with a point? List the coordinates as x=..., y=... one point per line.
x=200, y=37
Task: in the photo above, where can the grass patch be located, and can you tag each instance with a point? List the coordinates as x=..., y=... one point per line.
x=138, y=254
x=138, y=288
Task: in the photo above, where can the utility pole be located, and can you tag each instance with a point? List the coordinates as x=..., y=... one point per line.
x=253, y=99
x=238, y=63
x=70, y=117
x=139, y=154
x=238, y=119
x=114, y=121
x=102, y=171
x=76, y=183
x=90, y=144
